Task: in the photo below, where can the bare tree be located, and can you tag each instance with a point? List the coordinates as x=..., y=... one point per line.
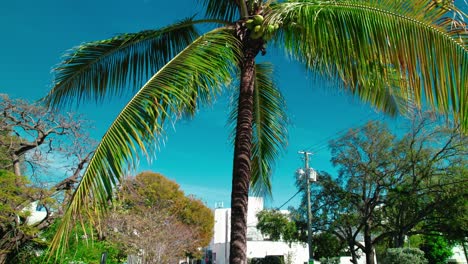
x=51, y=149
x=152, y=218
x=154, y=235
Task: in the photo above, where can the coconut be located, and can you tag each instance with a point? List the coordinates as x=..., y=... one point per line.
x=256, y=35
x=258, y=19
x=258, y=28
x=270, y=28
x=249, y=24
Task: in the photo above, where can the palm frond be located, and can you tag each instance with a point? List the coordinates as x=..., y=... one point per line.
x=96, y=69
x=196, y=75
x=367, y=43
x=270, y=122
x=222, y=9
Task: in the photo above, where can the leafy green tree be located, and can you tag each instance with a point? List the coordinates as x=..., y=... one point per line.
x=277, y=226
x=430, y=193
x=14, y=194
x=333, y=212
x=377, y=50
x=389, y=188
x=437, y=249
x=149, y=189
x=326, y=245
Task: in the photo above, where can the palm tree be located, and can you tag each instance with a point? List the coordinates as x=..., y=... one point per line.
x=391, y=53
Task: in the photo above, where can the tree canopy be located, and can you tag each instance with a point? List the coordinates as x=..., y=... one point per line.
x=390, y=187
x=154, y=215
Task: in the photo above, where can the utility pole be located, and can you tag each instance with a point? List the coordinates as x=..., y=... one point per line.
x=309, y=175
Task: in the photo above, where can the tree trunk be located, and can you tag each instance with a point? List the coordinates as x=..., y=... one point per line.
x=399, y=240
x=464, y=250
x=352, y=250
x=368, y=247
x=10, y=244
x=242, y=156
x=16, y=164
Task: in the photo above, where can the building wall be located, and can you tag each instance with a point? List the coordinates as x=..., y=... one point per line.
x=257, y=246
x=221, y=225
x=296, y=252
x=458, y=255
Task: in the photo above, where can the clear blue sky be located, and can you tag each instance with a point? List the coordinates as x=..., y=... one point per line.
x=198, y=153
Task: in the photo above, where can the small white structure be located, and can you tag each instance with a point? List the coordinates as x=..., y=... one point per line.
x=35, y=216
x=458, y=255
x=257, y=246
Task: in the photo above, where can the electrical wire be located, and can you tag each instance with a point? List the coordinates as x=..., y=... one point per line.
x=323, y=143
x=289, y=200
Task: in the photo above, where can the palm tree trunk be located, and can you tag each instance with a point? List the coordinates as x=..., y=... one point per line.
x=242, y=154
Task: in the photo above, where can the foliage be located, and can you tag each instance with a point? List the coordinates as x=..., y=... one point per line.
x=267, y=260
x=32, y=138
x=152, y=216
x=156, y=221
x=84, y=248
x=327, y=245
x=389, y=187
x=5, y=158
x=377, y=50
x=277, y=226
x=15, y=197
x=404, y=256
x=13, y=194
x=436, y=249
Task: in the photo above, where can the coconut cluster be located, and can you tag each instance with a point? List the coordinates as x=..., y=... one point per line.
x=258, y=29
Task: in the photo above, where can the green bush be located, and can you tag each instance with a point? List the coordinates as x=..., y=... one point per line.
x=404, y=256
x=437, y=249
x=267, y=260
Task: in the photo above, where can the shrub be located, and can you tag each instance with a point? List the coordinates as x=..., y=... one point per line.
x=437, y=249
x=404, y=256
x=267, y=260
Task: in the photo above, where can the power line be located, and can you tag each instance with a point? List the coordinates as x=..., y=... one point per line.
x=288, y=200
x=324, y=144
x=343, y=130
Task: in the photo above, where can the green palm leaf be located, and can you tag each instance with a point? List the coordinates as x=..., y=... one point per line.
x=365, y=43
x=269, y=128
x=170, y=93
x=221, y=9
x=94, y=69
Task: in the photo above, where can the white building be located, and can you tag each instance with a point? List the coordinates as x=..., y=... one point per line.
x=257, y=246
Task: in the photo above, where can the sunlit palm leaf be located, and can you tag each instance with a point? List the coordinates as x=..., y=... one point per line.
x=365, y=42
x=390, y=98
x=269, y=128
x=170, y=93
x=95, y=69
